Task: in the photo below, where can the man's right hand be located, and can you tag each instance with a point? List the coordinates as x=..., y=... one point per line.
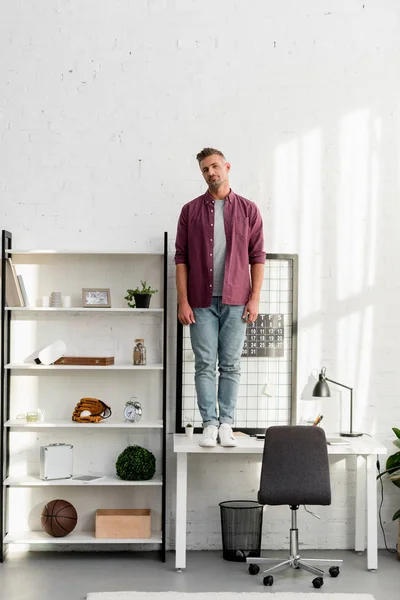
x=185, y=313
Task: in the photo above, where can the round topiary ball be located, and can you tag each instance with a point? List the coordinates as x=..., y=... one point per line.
x=136, y=464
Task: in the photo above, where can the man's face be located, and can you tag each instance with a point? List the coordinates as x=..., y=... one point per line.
x=215, y=171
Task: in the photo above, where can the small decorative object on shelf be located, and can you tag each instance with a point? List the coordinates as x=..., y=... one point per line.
x=136, y=464
x=96, y=298
x=133, y=410
x=56, y=461
x=95, y=361
x=33, y=416
x=66, y=301
x=91, y=410
x=142, y=296
x=51, y=353
x=189, y=430
x=139, y=352
x=55, y=299
x=59, y=518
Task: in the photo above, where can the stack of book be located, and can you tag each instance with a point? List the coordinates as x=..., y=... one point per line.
x=15, y=288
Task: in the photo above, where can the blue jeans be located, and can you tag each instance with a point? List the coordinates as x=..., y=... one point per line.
x=218, y=332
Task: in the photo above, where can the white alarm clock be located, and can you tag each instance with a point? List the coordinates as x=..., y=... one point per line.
x=133, y=410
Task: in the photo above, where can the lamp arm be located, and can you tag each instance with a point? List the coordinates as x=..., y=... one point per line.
x=351, y=399
x=341, y=384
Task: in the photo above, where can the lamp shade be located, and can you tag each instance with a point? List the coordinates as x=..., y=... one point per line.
x=321, y=389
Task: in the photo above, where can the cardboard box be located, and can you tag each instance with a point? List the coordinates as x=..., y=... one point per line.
x=122, y=523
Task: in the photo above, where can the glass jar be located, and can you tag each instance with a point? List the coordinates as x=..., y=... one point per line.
x=139, y=352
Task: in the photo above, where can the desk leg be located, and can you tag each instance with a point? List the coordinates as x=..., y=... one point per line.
x=181, y=509
x=372, y=515
x=360, y=504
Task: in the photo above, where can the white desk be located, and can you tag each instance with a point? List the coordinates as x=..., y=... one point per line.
x=364, y=448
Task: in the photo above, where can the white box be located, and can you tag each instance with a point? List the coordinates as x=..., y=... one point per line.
x=56, y=461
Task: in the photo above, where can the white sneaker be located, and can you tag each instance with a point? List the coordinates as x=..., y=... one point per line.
x=209, y=437
x=225, y=435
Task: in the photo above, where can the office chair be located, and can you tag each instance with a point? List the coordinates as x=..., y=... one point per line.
x=295, y=471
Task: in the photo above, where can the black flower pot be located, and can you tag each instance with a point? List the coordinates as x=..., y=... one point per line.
x=142, y=300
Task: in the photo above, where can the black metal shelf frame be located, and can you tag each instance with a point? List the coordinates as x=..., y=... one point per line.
x=6, y=241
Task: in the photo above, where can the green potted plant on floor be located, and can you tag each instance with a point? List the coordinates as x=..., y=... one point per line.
x=141, y=296
x=392, y=470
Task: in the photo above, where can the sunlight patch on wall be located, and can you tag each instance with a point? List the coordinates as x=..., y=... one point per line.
x=352, y=214
x=286, y=193
x=354, y=351
x=309, y=219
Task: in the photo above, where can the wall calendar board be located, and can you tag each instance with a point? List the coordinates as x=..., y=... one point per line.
x=267, y=390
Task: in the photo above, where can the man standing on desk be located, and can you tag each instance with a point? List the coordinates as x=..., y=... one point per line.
x=219, y=234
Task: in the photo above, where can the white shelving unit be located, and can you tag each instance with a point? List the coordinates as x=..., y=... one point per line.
x=88, y=311
x=82, y=537
x=64, y=424
x=30, y=481
x=34, y=367
x=52, y=425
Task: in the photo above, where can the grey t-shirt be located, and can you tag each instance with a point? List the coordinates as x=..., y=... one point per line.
x=219, y=247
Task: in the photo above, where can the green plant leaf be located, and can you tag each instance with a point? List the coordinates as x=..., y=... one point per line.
x=396, y=432
x=393, y=461
x=396, y=515
x=145, y=289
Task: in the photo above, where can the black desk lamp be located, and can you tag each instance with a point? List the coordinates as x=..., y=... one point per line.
x=321, y=390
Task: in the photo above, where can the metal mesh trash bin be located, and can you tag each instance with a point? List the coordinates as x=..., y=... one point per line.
x=241, y=526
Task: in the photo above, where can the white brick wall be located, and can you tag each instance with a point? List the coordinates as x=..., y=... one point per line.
x=103, y=107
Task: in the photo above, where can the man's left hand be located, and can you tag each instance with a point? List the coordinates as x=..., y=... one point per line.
x=250, y=312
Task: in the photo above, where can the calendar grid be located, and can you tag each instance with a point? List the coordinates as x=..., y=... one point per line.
x=267, y=390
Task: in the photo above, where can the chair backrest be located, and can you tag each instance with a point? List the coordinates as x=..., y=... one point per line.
x=295, y=467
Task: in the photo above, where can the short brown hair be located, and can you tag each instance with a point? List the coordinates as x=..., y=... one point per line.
x=208, y=152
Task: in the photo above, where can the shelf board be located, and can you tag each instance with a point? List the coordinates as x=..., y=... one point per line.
x=80, y=309
x=69, y=424
x=31, y=481
x=117, y=367
x=79, y=537
x=83, y=252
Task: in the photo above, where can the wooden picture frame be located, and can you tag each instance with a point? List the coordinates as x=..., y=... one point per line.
x=96, y=298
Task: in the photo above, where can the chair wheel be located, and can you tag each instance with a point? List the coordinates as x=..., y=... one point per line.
x=334, y=571
x=268, y=580
x=254, y=569
x=318, y=582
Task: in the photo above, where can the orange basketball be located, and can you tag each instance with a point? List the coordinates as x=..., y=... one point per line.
x=59, y=518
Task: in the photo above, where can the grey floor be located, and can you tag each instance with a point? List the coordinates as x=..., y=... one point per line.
x=70, y=576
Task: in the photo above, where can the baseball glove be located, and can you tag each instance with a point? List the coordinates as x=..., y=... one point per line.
x=98, y=411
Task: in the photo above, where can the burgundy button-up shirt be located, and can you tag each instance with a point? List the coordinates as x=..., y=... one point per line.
x=195, y=248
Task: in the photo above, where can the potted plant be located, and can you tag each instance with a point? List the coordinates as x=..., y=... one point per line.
x=136, y=463
x=393, y=470
x=141, y=296
x=189, y=430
